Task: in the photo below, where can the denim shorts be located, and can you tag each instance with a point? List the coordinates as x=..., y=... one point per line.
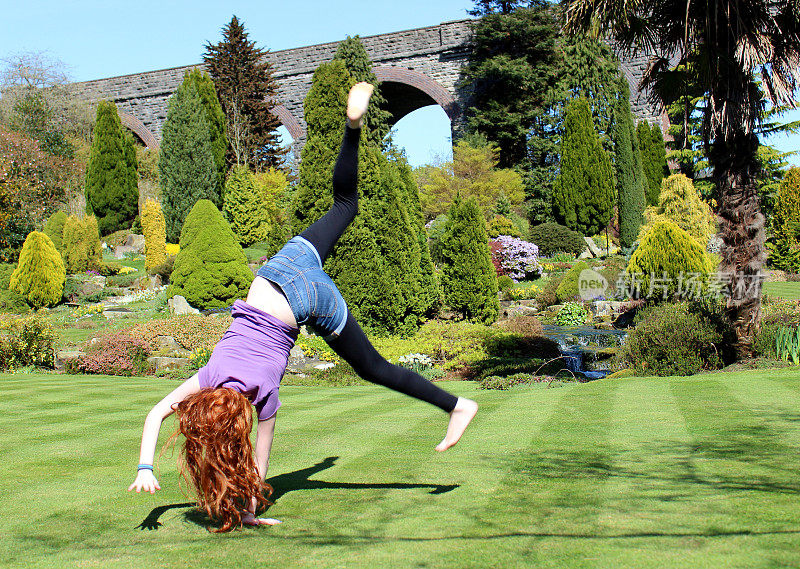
x=312, y=295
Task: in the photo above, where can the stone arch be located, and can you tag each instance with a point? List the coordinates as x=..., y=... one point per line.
x=291, y=123
x=138, y=128
x=407, y=90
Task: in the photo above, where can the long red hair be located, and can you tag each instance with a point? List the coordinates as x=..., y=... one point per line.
x=217, y=456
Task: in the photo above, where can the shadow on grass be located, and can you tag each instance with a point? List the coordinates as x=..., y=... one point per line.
x=288, y=482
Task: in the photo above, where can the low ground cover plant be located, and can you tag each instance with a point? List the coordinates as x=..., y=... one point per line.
x=115, y=353
x=191, y=331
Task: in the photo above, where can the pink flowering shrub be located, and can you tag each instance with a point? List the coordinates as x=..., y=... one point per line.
x=117, y=353
x=516, y=258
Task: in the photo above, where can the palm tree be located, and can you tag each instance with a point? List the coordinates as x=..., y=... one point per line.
x=722, y=46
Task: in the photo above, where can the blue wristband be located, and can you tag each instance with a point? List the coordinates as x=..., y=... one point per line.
x=145, y=467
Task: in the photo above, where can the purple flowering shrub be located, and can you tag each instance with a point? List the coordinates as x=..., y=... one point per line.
x=117, y=353
x=517, y=258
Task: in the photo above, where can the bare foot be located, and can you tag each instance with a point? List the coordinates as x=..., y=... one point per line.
x=459, y=419
x=357, y=102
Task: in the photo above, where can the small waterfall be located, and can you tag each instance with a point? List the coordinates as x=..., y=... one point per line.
x=586, y=351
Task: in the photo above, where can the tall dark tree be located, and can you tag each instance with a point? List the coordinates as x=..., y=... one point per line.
x=356, y=59
x=631, y=180
x=215, y=118
x=112, y=192
x=729, y=42
x=187, y=172
x=486, y=7
x=584, y=191
x=247, y=91
x=513, y=64
x=654, y=159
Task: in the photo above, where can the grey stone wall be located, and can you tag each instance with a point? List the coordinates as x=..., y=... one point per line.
x=429, y=59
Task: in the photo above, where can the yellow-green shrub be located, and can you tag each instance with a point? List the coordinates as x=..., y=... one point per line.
x=81, y=244
x=680, y=203
x=26, y=341
x=155, y=235
x=40, y=274
x=670, y=255
x=54, y=229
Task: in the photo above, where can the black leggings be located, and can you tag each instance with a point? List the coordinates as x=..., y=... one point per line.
x=352, y=344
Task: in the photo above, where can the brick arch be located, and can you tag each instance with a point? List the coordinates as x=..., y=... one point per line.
x=432, y=91
x=138, y=128
x=291, y=123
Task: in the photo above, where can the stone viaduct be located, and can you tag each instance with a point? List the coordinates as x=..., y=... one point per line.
x=417, y=68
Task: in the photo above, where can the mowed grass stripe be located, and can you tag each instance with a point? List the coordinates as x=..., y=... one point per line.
x=546, y=484
x=504, y=425
x=743, y=463
x=775, y=401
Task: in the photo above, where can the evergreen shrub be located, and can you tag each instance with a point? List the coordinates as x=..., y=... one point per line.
x=672, y=339
x=245, y=207
x=568, y=287
x=155, y=235
x=468, y=276
x=501, y=225
x=10, y=301
x=666, y=257
x=680, y=202
x=112, y=191
x=81, y=244
x=26, y=341
x=211, y=269
x=785, y=254
x=552, y=238
x=40, y=273
x=547, y=295
x=54, y=229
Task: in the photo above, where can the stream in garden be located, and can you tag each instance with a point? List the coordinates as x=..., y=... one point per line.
x=587, y=350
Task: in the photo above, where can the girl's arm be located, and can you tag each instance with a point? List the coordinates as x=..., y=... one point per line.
x=264, y=434
x=145, y=479
x=265, y=431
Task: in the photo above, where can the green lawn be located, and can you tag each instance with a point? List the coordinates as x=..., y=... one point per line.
x=683, y=472
x=789, y=291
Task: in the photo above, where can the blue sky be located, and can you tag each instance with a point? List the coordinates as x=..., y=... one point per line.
x=97, y=39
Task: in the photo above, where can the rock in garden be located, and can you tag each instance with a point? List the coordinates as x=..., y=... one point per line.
x=93, y=284
x=63, y=357
x=164, y=363
x=135, y=241
x=117, y=312
x=178, y=305
x=593, y=248
x=121, y=250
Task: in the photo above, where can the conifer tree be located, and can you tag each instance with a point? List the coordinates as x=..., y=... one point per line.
x=324, y=109
x=672, y=256
x=584, y=191
x=40, y=274
x=654, y=158
x=785, y=253
x=54, y=229
x=112, y=191
x=630, y=176
x=247, y=91
x=211, y=269
x=186, y=163
x=155, y=235
x=680, y=202
x=513, y=64
x=216, y=122
x=81, y=242
x=273, y=185
x=245, y=207
x=468, y=276
x=376, y=124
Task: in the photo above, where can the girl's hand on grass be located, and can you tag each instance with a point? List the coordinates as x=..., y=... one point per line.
x=249, y=519
x=145, y=480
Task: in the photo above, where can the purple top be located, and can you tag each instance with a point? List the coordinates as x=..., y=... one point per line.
x=251, y=357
